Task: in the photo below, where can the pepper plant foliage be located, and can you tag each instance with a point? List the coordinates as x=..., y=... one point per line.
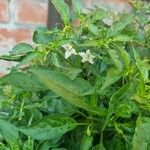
x=83, y=86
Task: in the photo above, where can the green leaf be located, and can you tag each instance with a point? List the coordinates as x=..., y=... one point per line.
x=77, y=86
x=115, y=99
x=112, y=76
x=116, y=59
x=122, y=38
x=118, y=95
x=63, y=10
x=94, y=29
x=70, y=90
x=54, y=104
x=42, y=36
x=23, y=81
x=10, y=134
x=86, y=143
x=28, y=144
x=49, y=127
x=124, y=56
x=27, y=59
x=125, y=109
x=77, y=8
x=99, y=147
x=71, y=72
x=119, y=25
x=12, y=57
x=98, y=15
x=21, y=48
x=141, y=139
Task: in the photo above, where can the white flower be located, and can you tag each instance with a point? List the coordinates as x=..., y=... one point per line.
x=87, y=56
x=108, y=21
x=69, y=50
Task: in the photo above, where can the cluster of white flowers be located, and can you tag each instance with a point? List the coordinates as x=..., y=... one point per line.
x=86, y=56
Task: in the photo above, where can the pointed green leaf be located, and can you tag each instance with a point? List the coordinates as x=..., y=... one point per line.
x=10, y=134
x=70, y=90
x=63, y=10
x=23, y=81
x=21, y=48
x=77, y=8
x=119, y=25
x=112, y=76
x=86, y=143
x=49, y=127
x=141, y=139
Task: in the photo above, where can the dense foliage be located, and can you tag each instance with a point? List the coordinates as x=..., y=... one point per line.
x=84, y=86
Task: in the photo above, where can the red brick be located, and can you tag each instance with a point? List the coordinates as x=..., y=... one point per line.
x=8, y=38
x=16, y=35
x=4, y=11
x=31, y=12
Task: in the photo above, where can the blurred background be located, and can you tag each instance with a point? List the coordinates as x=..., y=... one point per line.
x=19, y=18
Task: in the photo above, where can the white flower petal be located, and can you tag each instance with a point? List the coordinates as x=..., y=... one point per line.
x=67, y=46
x=87, y=57
x=91, y=61
x=69, y=50
x=108, y=21
x=82, y=54
x=67, y=54
x=73, y=51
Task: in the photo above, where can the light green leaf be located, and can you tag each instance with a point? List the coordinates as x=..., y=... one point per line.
x=77, y=86
x=49, y=127
x=23, y=81
x=71, y=72
x=54, y=104
x=21, y=48
x=28, y=144
x=124, y=56
x=86, y=143
x=10, y=134
x=12, y=57
x=70, y=90
x=94, y=29
x=118, y=96
x=42, y=36
x=112, y=76
x=122, y=38
x=119, y=25
x=27, y=59
x=116, y=59
x=77, y=8
x=99, y=147
x=141, y=139
x=63, y=10
x=98, y=15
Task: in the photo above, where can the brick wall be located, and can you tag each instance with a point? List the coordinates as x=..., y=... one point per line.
x=18, y=19
x=115, y=5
